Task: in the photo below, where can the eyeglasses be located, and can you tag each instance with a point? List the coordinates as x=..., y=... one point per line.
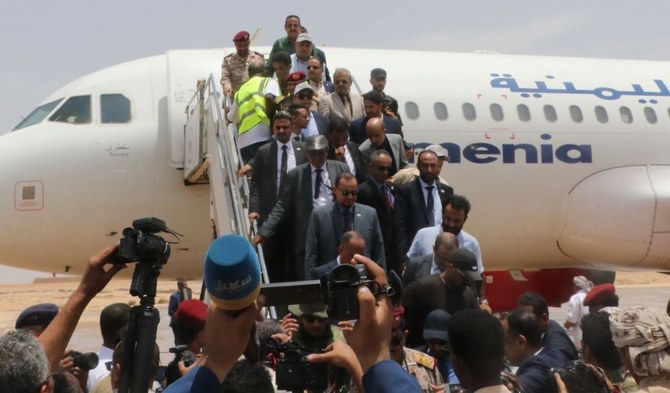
x=313, y=67
x=313, y=318
x=347, y=192
x=305, y=96
x=384, y=168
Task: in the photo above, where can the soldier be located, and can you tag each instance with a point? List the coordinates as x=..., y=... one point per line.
x=421, y=366
x=234, y=70
x=378, y=82
x=292, y=81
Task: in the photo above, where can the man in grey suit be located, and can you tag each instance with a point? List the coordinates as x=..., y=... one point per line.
x=306, y=187
x=445, y=244
x=271, y=164
x=343, y=102
x=378, y=139
x=350, y=243
x=330, y=222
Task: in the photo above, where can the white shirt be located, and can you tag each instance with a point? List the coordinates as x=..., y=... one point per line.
x=100, y=371
x=349, y=160
x=425, y=240
x=576, y=310
x=299, y=65
x=437, y=204
x=433, y=267
x=325, y=193
x=290, y=163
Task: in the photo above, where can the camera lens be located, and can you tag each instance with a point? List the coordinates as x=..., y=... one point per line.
x=344, y=274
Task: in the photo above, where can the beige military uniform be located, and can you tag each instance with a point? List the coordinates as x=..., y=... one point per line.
x=235, y=70
x=423, y=367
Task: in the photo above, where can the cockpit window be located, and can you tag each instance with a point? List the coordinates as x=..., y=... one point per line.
x=76, y=110
x=37, y=115
x=114, y=108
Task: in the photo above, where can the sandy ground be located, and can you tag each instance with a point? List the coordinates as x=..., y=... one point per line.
x=634, y=288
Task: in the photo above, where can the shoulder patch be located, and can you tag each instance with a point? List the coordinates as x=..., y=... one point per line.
x=424, y=360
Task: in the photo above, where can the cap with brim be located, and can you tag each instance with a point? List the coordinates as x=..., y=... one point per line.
x=232, y=272
x=37, y=315
x=598, y=294
x=439, y=150
x=435, y=325
x=302, y=37
x=301, y=87
x=316, y=143
x=378, y=73
x=466, y=262
x=316, y=309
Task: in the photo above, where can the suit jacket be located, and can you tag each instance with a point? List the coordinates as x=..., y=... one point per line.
x=412, y=214
x=370, y=195
x=362, y=171
x=263, y=187
x=358, y=134
x=321, y=122
x=556, y=338
x=417, y=268
x=294, y=205
x=533, y=372
x=332, y=105
x=397, y=147
x=316, y=272
x=325, y=229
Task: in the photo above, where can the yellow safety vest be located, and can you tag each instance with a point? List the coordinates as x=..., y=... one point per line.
x=250, y=101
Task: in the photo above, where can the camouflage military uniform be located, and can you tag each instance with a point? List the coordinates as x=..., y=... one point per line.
x=235, y=69
x=423, y=367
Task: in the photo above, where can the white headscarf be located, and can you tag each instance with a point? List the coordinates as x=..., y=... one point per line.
x=583, y=283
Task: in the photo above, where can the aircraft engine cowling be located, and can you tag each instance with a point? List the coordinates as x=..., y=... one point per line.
x=621, y=217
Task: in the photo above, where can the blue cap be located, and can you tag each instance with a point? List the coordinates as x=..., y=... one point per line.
x=37, y=315
x=232, y=272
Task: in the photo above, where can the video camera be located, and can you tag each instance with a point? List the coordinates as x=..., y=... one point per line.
x=85, y=360
x=182, y=352
x=294, y=372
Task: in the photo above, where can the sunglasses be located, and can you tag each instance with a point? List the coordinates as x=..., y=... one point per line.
x=347, y=192
x=384, y=168
x=305, y=96
x=313, y=318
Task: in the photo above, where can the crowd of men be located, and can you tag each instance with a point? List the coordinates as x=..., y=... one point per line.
x=332, y=184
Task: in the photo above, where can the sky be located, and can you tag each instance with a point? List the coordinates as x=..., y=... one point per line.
x=44, y=44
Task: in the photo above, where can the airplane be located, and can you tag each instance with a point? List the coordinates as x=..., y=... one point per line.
x=566, y=161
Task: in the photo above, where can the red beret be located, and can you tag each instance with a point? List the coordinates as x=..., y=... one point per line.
x=192, y=313
x=599, y=294
x=241, y=36
x=297, y=76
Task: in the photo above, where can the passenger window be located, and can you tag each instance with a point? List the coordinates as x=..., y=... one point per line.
x=650, y=114
x=550, y=113
x=412, y=110
x=576, y=114
x=497, y=112
x=76, y=110
x=523, y=112
x=38, y=114
x=601, y=114
x=114, y=108
x=626, y=115
x=469, y=111
x=441, y=111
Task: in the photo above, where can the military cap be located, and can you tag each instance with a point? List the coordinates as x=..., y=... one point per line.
x=302, y=37
x=297, y=76
x=435, y=325
x=378, y=73
x=599, y=294
x=316, y=142
x=466, y=262
x=318, y=310
x=192, y=313
x=241, y=36
x=374, y=96
x=37, y=315
x=302, y=86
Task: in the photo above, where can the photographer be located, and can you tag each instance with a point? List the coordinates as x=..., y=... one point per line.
x=188, y=325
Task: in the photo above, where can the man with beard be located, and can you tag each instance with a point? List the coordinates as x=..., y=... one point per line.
x=234, y=70
x=449, y=291
x=454, y=215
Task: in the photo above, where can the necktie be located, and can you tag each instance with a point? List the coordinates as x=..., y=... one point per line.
x=284, y=160
x=346, y=221
x=430, y=206
x=347, y=104
x=388, y=198
x=317, y=183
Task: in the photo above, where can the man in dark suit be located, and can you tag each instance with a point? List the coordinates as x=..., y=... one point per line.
x=373, y=101
x=380, y=194
x=270, y=166
x=350, y=243
x=445, y=245
x=523, y=346
x=305, y=187
x=316, y=123
x=379, y=140
x=344, y=150
x=421, y=201
x=330, y=222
